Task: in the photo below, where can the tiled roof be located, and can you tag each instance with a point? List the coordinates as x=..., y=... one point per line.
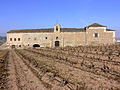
x=73, y=30
x=110, y=30
x=49, y=30
x=96, y=25
x=31, y=30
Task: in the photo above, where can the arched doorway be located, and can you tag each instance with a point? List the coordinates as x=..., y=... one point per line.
x=13, y=46
x=36, y=45
x=57, y=43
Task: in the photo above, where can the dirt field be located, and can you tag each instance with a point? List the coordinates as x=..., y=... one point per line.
x=69, y=68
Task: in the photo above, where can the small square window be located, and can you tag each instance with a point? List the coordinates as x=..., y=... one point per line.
x=56, y=37
x=10, y=39
x=35, y=38
x=18, y=39
x=96, y=35
x=46, y=38
x=14, y=39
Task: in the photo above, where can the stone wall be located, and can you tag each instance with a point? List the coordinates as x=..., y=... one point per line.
x=17, y=43
x=64, y=38
x=47, y=39
x=104, y=37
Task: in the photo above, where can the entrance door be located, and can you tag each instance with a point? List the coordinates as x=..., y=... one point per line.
x=56, y=43
x=13, y=46
x=36, y=45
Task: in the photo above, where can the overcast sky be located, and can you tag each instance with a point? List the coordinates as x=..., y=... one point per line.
x=33, y=14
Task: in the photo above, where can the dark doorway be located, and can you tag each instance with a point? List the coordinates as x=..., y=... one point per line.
x=36, y=45
x=13, y=46
x=57, y=43
x=56, y=28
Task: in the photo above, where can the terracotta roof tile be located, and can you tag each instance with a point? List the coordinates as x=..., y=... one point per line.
x=96, y=25
x=49, y=30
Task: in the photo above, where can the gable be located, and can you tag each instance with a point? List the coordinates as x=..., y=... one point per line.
x=96, y=25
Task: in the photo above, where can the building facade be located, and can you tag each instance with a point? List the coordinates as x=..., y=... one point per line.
x=60, y=37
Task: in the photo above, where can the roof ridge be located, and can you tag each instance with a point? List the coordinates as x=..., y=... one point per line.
x=33, y=29
x=96, y=25
x=46, y=30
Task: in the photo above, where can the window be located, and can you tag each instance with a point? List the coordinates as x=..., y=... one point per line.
x=56, y=28
x=96, y=35
x=10, y=39
x=56, y=37
x=35, y=38
x=14, y=39
x=28, y=44
x=18, y=39
x=45, y=37
x=19, y=45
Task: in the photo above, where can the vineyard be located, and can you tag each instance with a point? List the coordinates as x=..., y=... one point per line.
x=69, y=68
x=3, y=69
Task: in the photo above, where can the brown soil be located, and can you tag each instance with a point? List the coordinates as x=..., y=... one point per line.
x=21, y=77
x=88, y=77
x=3, y=70
x=70, y=68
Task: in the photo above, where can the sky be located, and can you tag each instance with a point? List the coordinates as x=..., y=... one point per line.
x=35, y=14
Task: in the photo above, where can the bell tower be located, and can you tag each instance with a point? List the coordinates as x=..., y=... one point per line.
x=57, y=28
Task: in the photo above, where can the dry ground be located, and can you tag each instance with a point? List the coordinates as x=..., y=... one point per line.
x=69, y=68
